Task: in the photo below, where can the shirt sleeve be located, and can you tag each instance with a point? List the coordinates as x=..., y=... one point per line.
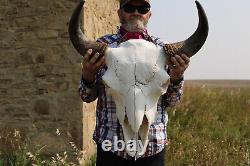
x=88, y=91
x=173, y=95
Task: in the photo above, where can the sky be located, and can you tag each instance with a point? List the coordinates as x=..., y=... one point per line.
x=225, y=54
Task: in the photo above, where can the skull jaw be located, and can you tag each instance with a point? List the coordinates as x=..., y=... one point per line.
x=140, y=139
x=136, y=119
x=136, y=128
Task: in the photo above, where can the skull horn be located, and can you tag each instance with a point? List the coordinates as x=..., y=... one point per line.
x=194, y=43
x=78, y=38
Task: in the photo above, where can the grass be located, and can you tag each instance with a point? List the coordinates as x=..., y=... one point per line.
x=211, y=126
x=14, y=151
x=92, y=161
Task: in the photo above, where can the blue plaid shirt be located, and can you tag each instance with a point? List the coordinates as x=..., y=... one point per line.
x=107, y=124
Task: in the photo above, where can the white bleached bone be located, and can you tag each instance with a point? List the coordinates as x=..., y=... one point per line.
x=136, y=78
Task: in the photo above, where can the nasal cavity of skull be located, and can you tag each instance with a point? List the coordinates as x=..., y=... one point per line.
x=126, y=119
x=144, y=126
x=145, y=120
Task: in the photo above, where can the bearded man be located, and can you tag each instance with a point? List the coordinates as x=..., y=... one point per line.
x=134, y=16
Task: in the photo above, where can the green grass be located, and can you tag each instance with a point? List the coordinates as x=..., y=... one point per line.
x=211, y=126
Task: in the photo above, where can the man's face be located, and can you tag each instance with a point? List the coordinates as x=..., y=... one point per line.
x=135, y=21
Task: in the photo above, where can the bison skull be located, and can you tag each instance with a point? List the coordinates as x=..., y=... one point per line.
x=135, y=79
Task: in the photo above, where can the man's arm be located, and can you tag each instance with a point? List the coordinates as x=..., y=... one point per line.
x=91, y=65
x=173, y=95
x=88, y=91
x=179, y=63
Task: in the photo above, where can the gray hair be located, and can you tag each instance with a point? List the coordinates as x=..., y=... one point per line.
x=136, y=24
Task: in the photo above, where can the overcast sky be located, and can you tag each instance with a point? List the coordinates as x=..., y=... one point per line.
x=225, y=55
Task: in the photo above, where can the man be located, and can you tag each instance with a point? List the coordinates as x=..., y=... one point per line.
x=134, y=16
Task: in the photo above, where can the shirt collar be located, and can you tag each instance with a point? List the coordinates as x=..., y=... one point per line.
x=125, y=35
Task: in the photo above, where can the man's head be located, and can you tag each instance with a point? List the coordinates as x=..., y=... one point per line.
x=134, y=14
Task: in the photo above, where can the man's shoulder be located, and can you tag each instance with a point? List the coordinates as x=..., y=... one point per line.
x=157, y=40
x=109, y=38
x=114, y=38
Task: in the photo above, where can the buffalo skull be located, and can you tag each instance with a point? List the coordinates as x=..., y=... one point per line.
x=136, y=75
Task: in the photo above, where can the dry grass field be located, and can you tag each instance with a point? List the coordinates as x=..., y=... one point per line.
x=219, y=83
x=211, y=126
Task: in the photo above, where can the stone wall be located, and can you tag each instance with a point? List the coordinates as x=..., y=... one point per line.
x=40, y=71
x=100, y=21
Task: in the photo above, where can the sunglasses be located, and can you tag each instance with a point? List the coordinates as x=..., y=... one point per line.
x=142, y=9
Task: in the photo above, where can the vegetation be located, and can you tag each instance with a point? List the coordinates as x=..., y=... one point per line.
x=209, y=127
x=16, y=152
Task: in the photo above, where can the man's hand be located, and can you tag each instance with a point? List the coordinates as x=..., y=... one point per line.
x=179, y=64
x=91, y=64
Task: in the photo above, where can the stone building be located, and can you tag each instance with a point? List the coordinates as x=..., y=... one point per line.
x=40, y=71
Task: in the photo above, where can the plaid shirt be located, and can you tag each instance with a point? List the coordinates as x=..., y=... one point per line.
x=107, y=124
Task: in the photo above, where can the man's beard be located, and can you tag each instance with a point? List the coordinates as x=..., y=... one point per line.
x=135, y=24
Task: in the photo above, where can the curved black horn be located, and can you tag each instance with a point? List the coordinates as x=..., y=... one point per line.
x=78, y=38
x=194, y=43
